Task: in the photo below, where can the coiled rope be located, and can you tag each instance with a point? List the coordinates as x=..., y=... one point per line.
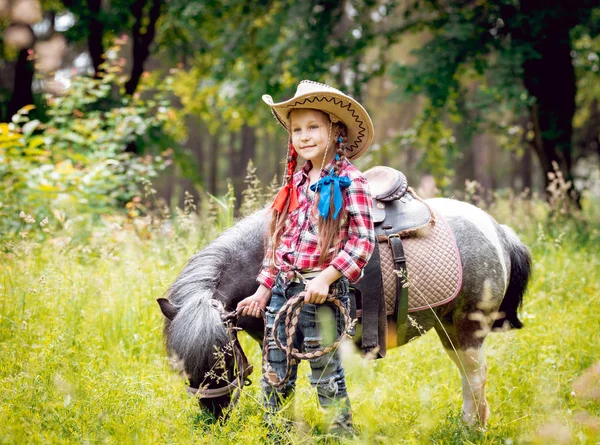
x=291, y=311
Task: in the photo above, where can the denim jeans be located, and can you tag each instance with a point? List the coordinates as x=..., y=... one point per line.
x=327, y=373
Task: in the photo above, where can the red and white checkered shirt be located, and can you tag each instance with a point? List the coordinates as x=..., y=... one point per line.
x=299, y=250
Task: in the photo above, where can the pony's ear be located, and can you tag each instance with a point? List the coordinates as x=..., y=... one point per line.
x=167, y=308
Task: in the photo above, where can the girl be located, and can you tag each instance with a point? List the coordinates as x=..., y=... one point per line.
x=321, y=234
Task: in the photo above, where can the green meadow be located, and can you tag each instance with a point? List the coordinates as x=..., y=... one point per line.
x=82, y=358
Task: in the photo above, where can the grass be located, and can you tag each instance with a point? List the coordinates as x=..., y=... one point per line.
x=82, y=358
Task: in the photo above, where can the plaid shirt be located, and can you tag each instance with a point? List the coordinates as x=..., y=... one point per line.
x=299, y=250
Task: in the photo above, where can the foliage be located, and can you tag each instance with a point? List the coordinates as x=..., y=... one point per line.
x=484, y=59
x=586, y=60
x=82, y=357
x=432, y=138
x=480, y=41
x=258, y=47
x=234, y=54
x=77, y=159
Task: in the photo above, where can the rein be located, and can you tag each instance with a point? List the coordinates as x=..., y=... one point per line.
x=291, y=310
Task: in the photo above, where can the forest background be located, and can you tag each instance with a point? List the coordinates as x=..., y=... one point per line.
x=491, y=91
x=132, y=132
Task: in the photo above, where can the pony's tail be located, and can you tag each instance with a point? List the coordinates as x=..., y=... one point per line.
x=520, y=271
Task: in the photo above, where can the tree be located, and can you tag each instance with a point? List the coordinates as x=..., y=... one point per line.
x=16, y=50
x=522, y=50
x=237, y=53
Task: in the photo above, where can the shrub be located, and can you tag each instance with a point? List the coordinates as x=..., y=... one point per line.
x=77, y=160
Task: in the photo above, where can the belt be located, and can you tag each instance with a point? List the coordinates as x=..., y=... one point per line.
x=341, y=285
x=306, y=275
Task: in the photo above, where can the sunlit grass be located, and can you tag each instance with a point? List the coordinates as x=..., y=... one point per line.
x=82, y=358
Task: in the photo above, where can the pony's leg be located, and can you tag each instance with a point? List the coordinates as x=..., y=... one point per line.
x=468, y=356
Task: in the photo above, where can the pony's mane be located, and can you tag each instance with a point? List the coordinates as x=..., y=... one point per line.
x=197, y=329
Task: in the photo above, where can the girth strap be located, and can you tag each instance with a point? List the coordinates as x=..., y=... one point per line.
x=370, y=289
x=401, y=311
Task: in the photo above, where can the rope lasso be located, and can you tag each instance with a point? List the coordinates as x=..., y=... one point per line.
x=291, y=311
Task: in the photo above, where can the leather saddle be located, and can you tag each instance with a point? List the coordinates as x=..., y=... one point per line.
x=395, y=206
x=397, y=212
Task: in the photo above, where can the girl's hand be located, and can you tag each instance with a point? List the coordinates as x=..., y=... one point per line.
x=255, y=304
x=316, y=291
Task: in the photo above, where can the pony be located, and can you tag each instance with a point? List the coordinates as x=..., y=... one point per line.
x=496, y=267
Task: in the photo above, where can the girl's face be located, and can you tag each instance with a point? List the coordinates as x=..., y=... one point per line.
x=310, y=129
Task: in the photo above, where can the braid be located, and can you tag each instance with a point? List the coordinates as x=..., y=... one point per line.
x=292, y=161
x=329, y=228
x=278, y=218
x=340, y=147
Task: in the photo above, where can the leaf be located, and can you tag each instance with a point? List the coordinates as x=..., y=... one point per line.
x=35, y=152
x=222, y=203
x=36, y=141
x=65, y=167
x=30, y=127
x=48, y=188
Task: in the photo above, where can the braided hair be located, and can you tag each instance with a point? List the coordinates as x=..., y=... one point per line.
x=329, y=227
x=278, y=218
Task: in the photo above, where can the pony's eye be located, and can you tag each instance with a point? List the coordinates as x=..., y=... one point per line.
x=216, y=304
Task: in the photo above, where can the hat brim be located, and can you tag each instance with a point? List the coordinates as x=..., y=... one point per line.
x=344, y=108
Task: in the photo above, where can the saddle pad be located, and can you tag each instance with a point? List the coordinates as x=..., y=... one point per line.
x=433, y=266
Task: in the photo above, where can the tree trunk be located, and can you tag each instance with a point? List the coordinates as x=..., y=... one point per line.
x=233, y=156
x=481, y=163
x=141, y=48
x=141, y=42
x=411, y=163
x=549, y=77
x=95, y=46
x=213, y=155
x=248, y=147
x=527, y=170
x=21, y=93
x=247, y=150
x=197, y=134
x=277, y=151
x=234, y=165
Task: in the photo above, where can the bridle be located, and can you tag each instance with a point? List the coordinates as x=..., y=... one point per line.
x=242, y=367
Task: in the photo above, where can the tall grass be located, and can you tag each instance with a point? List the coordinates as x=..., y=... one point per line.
x=82, y=358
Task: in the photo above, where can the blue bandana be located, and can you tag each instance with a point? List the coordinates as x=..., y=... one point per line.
x=323, y=187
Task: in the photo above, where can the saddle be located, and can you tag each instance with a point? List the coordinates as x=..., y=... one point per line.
x=397, y=212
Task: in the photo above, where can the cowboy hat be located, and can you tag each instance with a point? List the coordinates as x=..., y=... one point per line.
x=337, y=105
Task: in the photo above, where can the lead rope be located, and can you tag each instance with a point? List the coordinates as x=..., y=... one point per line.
x=291, y=310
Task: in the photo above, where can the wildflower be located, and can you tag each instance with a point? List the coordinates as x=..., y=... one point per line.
x=28, y=219
x=188, y=203
x=252, y=196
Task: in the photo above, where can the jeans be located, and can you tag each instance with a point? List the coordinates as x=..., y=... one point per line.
x=327, y=373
